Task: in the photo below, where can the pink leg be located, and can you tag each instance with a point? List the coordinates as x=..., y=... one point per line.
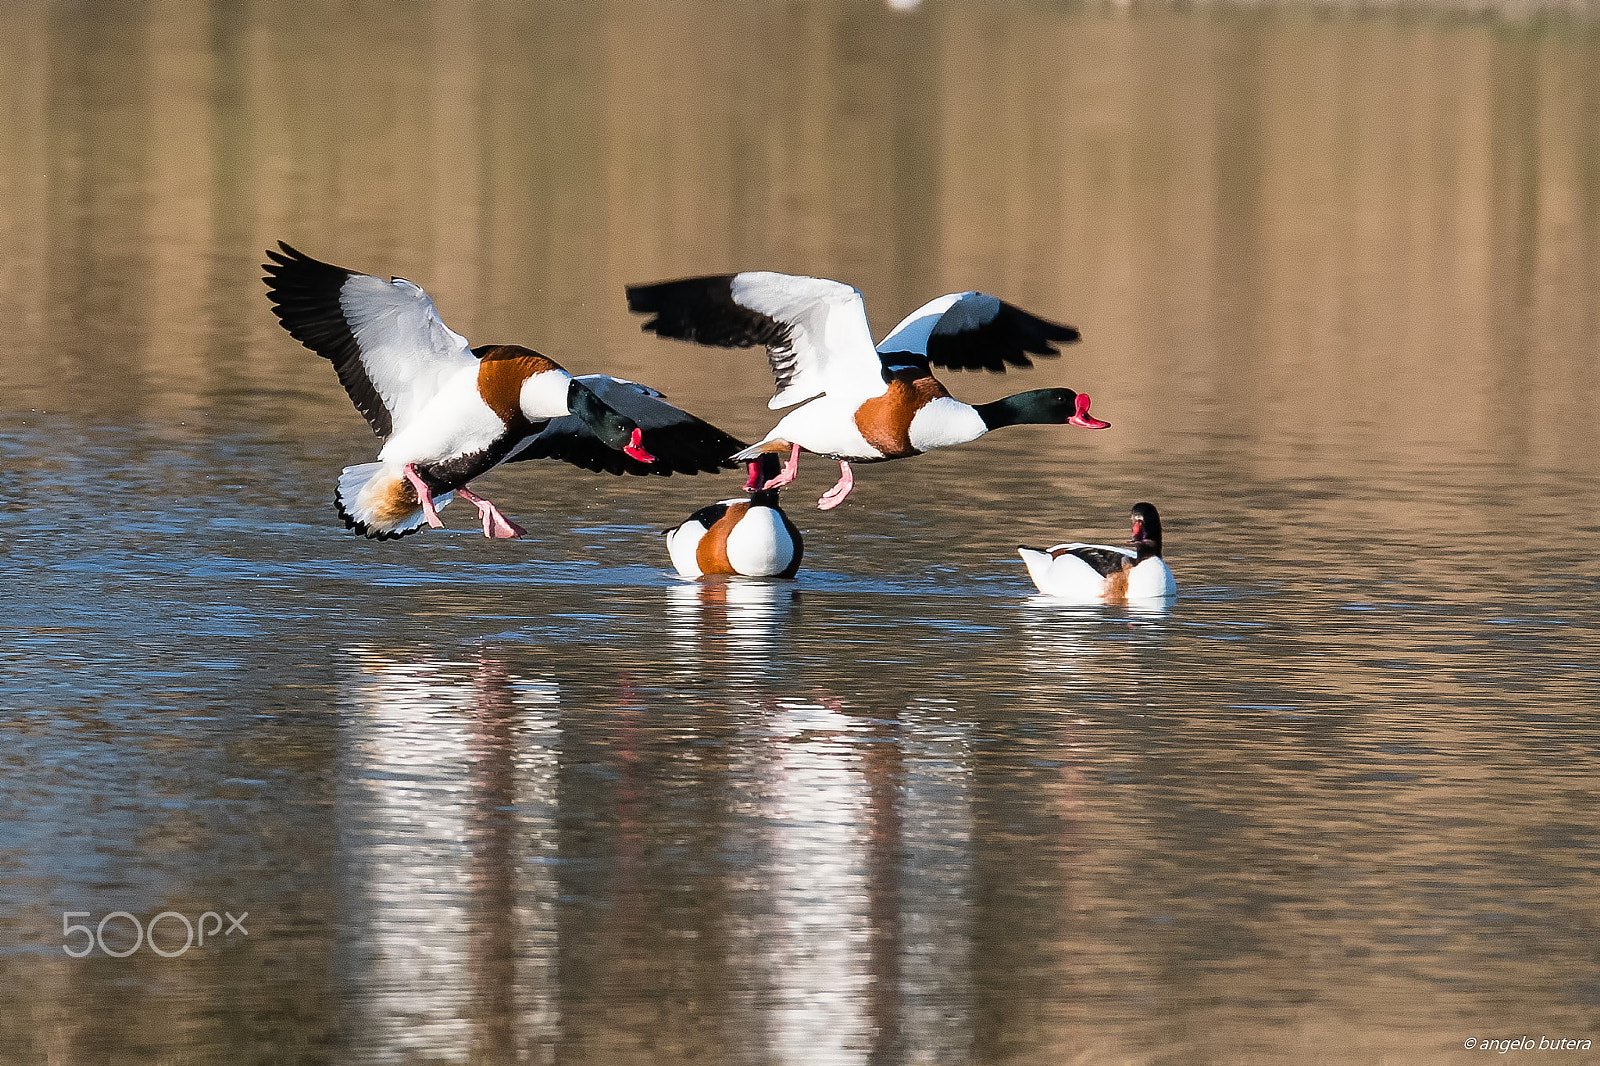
x=424, y=496
x=835, y=496
x=790, y=469
x=495, y=525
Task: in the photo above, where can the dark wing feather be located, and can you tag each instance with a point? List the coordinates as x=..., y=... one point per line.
x=709, y=515
x=305, y=296
x=975, y=332
x=704, y=310
x=1008, y=336
x=1106, y=561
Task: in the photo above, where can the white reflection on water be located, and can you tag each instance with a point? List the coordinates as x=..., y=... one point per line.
x=860, y=931
x=936, y=885
x=446, y=813
x=738, y=620
x=1067, y=638
x=856, y=932
x=818, y=952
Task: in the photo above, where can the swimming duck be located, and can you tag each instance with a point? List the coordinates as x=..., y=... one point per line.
x=867, y=403
x=752, y=537
x=450, y=413
x=1100, y=573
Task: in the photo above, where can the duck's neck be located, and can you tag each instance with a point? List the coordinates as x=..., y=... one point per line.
x=1039, y=407
x=1147, y=541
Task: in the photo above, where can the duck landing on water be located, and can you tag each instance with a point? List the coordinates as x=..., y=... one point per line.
x=864, y=403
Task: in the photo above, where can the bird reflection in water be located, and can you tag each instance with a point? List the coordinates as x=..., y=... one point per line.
x=1067, y=638
x=447, y=808
x=860, y=927
x=818, y=899
x=735, y=625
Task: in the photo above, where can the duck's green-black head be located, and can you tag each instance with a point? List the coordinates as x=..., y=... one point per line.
x=1146, y=530
x=611, y=426
x=1041, y=407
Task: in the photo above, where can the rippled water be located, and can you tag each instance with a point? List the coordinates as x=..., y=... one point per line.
x=543, y=801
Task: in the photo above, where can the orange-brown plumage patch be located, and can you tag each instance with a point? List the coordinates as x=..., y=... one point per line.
x=885, y=421
x=1117, y=586
x=502, y=368
x=398, y=502
x=711, y=554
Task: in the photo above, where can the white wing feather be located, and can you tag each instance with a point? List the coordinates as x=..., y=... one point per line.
x=830, y=341
x=406, y=349
x=911, y=335
x=1129, y=552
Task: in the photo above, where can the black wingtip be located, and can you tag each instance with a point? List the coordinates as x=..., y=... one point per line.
x=351, y=522
x=286, y=256
x=639, y=297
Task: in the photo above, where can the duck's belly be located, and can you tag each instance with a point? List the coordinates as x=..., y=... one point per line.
x=454, y=439
x=827, y=427
x=760, y=545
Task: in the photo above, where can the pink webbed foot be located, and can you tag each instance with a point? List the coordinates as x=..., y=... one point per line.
x=424, y=496
x=496, y=526
x=835, y=496
x=1081, y=416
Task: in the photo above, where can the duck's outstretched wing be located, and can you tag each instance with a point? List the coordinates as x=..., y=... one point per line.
x=680, y=442
x=385, y=339
x=815, y=330
x=972, y=331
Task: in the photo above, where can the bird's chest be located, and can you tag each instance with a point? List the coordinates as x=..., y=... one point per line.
x=457, y=436
x=908, y=418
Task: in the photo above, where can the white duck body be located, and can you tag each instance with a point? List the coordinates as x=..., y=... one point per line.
x=682, y=541
x=825, y=426
x=1104, y=573
x=1071, y=578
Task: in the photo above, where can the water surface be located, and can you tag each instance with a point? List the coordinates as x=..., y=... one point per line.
x=542, y=801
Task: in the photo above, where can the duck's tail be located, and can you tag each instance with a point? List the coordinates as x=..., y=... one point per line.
x=766, y=447
x=377, y=501
x=1038, y=561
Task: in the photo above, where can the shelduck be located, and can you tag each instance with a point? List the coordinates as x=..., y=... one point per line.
x=449, y=413
x=868, y=403
x=1101, y=573
x=752, y=537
